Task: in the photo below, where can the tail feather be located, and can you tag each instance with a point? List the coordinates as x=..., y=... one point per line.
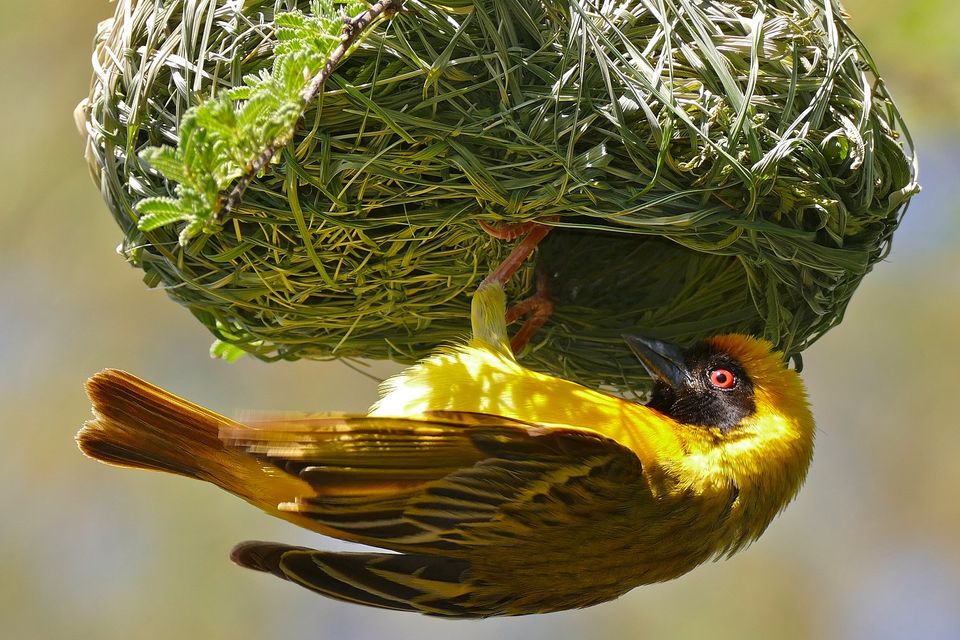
x=137, y=424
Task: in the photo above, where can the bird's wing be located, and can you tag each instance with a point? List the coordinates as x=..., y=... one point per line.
x=435, y=483
x=428, y=584
x=449, y=490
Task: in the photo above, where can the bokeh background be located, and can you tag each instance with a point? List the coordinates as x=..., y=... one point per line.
x=871, y=549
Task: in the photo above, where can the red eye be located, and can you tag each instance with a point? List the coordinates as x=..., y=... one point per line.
x=722, y=378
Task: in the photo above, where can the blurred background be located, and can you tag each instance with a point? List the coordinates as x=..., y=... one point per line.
x=871, y=549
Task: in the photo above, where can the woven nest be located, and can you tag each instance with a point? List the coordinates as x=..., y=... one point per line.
x=709, y=166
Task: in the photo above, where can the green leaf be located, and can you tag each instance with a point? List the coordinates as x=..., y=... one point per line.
x=166, y=160
x=189, y=231
x=156, y=212
x=226, y=351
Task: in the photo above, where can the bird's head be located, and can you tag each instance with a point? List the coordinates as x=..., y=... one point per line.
x=744, y=413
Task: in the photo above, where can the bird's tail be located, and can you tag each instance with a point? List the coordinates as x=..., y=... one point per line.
x=139, y=425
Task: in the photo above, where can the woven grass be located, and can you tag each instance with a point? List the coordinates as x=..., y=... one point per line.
x=710, y=166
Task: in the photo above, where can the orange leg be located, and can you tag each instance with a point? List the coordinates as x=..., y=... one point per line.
x=507, y=230
x=538, y=307
x=518, y=256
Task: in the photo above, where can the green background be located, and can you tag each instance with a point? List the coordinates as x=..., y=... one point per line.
x=871, y=548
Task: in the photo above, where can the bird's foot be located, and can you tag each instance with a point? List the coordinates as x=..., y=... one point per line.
x=534, y=235
x=507, y=230
x=537, y=308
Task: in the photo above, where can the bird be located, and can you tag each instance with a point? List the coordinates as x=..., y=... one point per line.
x=490, y=488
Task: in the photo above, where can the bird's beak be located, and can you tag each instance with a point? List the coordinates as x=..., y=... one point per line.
x=662, y=360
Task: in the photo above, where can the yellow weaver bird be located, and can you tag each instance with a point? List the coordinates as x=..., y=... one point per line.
x=503, y=491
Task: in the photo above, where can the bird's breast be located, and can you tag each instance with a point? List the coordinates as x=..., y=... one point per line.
x=483, y=380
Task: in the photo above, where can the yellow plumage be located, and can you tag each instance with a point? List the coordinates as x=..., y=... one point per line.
x=505, y=491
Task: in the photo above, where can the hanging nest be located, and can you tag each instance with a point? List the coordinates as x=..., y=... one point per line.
x=708, y=166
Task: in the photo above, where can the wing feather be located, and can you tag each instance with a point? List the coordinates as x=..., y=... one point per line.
x=407, y=582
x=432, y=483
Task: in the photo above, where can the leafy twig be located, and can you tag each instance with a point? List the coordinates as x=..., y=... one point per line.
x=353, y=28
x=226, y=141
